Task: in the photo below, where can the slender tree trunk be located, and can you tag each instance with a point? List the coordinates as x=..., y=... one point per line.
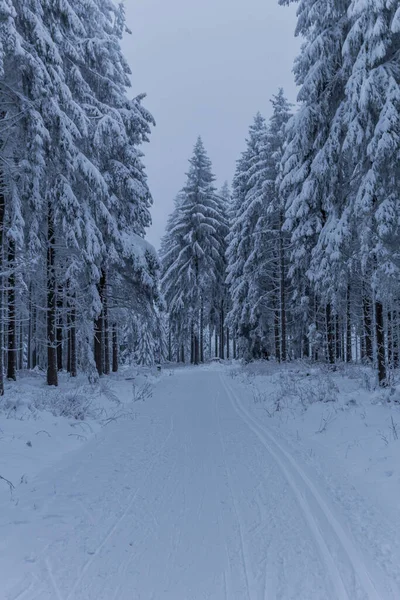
x=380, y=344
x=216, y=343
x=98, y=329
x=330, y=335
x=169, y=343
x=106, y=331
x=277, y=332
x=192, y=343
x=115, y=348
x=368, y=328
x=348, y=327
x=282, y=282
x=34, y=337
x=73, y=349
x=60, y=306
x=222, y=333
x=234, y=346
x=30, y=332
x=196, y=349
x=202, y=333
x=228, y=351
x=337, y=333
x=21, y=345
x=389, y=340
x=2, y=214
x=395, y=340
x=183, y=353
x=12, y=323
x=52, y=377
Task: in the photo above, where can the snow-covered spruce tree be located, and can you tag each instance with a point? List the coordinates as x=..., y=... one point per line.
x=193, y=253
x=313, y=181
x=73, y=179
x=371, y=120
x=246, y=316
x=270, y=241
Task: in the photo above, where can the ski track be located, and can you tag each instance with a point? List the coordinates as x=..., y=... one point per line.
x=294, y=471
x=196, y=500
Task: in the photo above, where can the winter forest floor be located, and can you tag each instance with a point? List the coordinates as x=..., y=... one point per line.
x=220, y=482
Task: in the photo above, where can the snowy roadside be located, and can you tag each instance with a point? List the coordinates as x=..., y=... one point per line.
x=345, y=431
x=40, y=425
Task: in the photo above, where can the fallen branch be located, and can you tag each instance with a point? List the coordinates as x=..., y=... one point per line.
x=11, y=486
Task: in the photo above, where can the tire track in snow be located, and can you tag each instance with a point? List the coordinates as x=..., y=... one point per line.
x=293, y=471
x=121, y=517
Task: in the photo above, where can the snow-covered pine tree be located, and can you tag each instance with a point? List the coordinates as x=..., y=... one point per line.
x=193, y=252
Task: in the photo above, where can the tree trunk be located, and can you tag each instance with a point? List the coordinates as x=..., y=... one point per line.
x=234, y=346
x=74, y=370
x=389, y=340
x=282, y=282
x=228, y=351
x=337, y=333
x=21, y=345
x=216, y=343
x=106, y=331
x=183, y=353
x=380, y=344
x=395, y=340
x=115, y=348
x=277, y=336
x=222, y=333
x=192, y=349
x=2, y=211
x=169, y=343
x=196, y=349
x=60, y=306
x=330, y=335
x=12, y=323
x=368, y=328
x=52, y=377
x=202, y=333
x=98, y=329
x=348, y=327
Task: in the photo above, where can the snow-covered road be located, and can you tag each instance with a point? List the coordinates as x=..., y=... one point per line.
x=193, y=500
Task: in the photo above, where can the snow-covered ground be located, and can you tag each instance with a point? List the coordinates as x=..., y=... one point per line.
x=226, y=482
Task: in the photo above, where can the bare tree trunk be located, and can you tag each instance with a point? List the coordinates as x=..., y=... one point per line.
x=60, y=306
x=337, y=333
x=98, y=329
x=368, y=328
x=216, y=343
x=106, y=330
x=348, y=327
x=2, y=214
x=234, y=346
x=277, y=332
x=196, y=349
x=21, y=345
x=183, y=359
x=222, y=333
x=192, y=349
x=380, y=344
x=389, y=340
x=282, y=283
x=395, y=340
x=52, y=377
x=12, y=323
x=169, y=343
x=330, y=335
x=73, y=364
x=228, y=351
x=115, y=348
x=202, y=333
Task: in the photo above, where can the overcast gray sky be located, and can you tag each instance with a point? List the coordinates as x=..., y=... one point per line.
x=207, y=66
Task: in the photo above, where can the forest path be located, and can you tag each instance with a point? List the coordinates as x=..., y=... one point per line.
x=193, y=500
